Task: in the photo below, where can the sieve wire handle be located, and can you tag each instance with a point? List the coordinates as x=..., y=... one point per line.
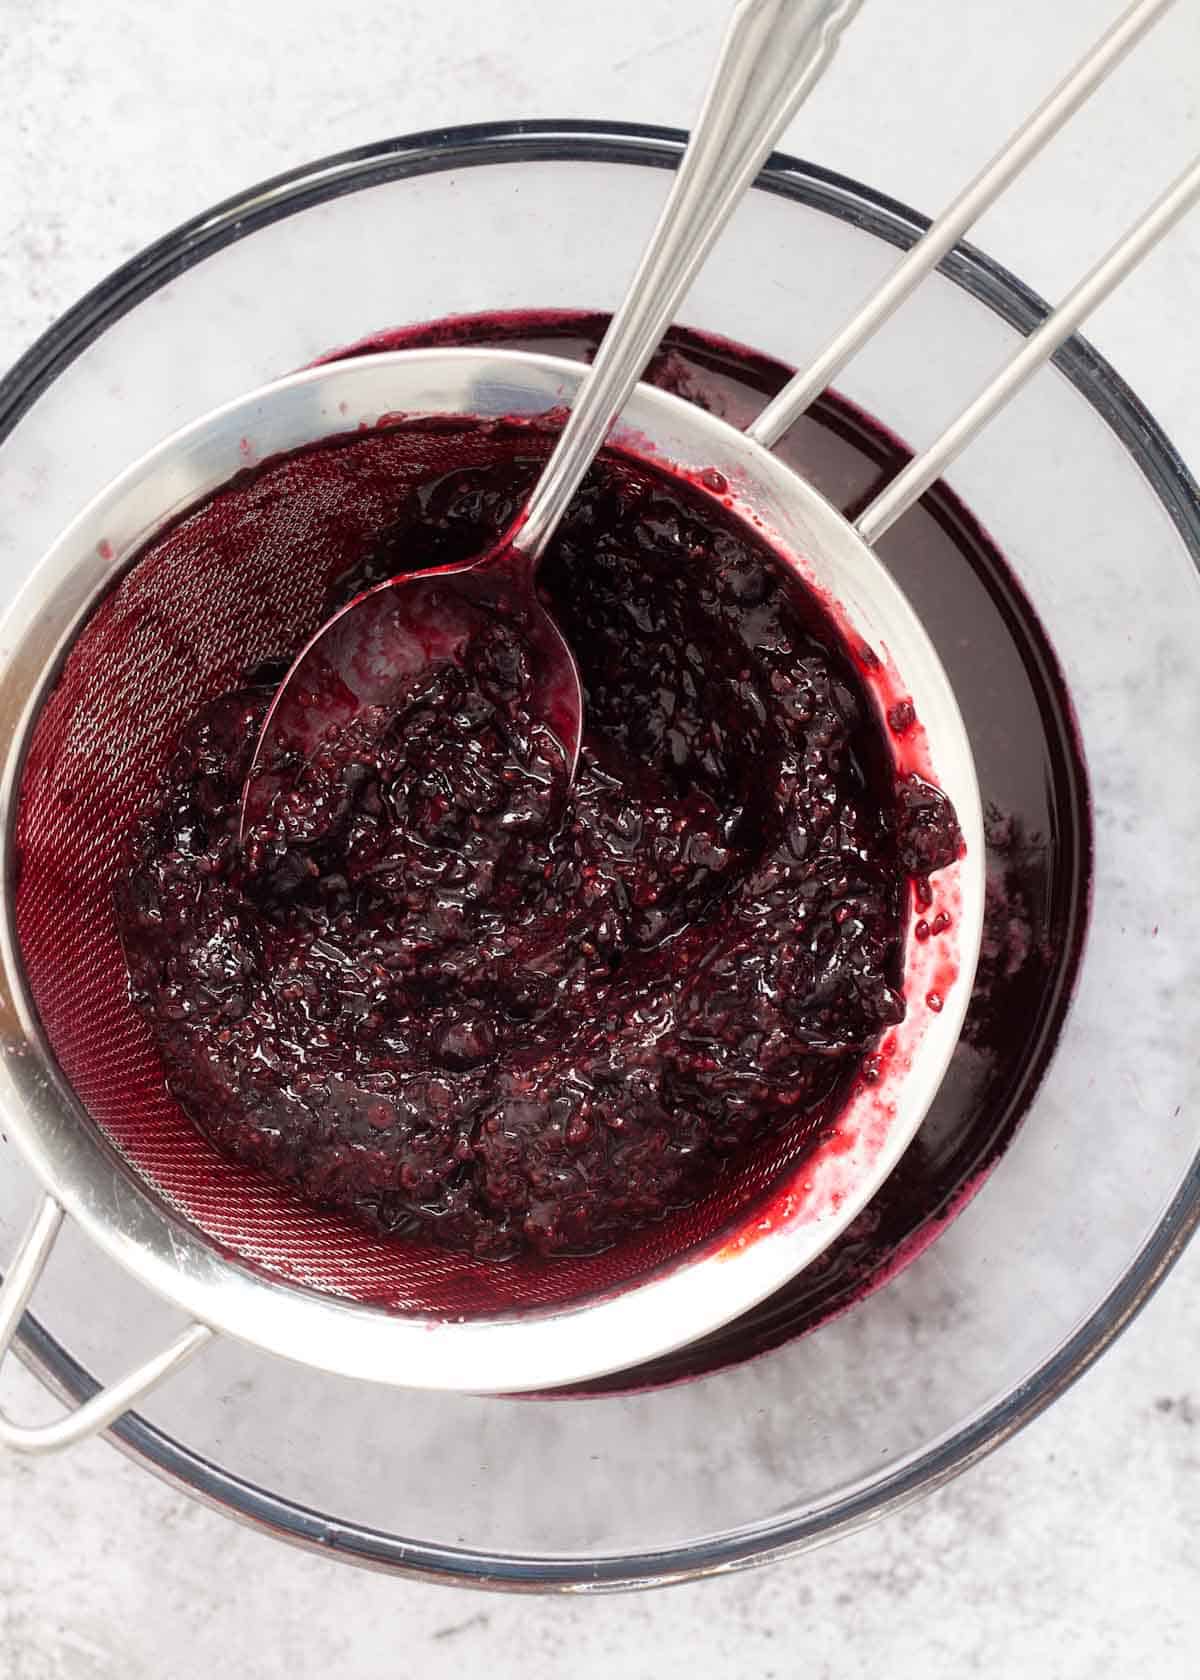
x=1090, y=73
x=910, y=484
x=104, y=1407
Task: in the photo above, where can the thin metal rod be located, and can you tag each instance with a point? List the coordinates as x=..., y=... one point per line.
x=954, y=221
x=26, y=1267
x=1041, y=344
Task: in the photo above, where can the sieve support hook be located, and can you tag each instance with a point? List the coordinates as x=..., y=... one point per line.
x=108, y=1404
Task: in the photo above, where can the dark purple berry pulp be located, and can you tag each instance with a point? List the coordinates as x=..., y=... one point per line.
x=440, y=992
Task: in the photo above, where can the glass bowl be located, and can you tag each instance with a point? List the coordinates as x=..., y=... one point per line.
x=1044, y=1248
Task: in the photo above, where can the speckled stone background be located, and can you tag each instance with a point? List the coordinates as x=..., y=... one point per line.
x=1074, y=1552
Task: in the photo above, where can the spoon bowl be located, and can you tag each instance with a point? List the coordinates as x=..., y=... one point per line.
x=381, y=644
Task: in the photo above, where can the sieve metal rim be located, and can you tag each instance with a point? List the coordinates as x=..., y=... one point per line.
x=82, y=1173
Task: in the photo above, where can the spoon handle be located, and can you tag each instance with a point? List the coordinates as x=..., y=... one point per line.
x=773, y=54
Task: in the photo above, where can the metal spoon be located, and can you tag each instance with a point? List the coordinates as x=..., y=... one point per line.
x=773, y=54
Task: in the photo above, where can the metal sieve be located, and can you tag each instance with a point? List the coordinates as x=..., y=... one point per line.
x=143, y=611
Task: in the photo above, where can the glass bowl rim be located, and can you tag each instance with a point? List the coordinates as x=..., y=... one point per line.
x=434, y=151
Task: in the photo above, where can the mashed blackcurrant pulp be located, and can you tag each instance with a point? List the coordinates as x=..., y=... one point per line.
x=443, y=995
